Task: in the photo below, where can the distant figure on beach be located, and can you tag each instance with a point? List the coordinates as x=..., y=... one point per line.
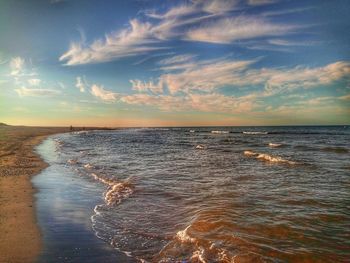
x=71, y=128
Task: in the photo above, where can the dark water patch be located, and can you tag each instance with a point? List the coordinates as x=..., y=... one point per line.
x=340, y=150
x=305, y=148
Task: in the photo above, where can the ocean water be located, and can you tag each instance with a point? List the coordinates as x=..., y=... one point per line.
x=216, y=194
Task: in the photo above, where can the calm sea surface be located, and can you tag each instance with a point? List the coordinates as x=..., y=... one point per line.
x=224, y=194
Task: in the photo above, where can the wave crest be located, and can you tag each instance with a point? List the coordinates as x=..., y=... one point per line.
x=255, y=132
x=219, y=132
x=194, y=249
x=268, y=158
x=200, y=147
x=275, y=145
x=117, y=191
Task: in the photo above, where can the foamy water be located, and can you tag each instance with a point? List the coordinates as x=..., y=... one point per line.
x=218, y=194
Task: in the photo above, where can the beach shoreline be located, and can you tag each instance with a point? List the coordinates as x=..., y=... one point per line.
x=21, y=238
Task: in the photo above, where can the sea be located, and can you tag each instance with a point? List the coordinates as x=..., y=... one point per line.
x=207, y=194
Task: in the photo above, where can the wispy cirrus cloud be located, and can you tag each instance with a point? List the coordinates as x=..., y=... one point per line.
x=144, y=86
x=199, y=20
x=103, y=94
x=219, y=6
x=193, y=102
x=128, y=42
x=205, y=75
x=17, y=66
x=228, y=30
x=81, y=84
x=177, y=11
x=208, y=76
x=177, y=59
x=289, y=43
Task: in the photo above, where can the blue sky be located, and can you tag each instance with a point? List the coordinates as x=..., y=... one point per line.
x=174, y=63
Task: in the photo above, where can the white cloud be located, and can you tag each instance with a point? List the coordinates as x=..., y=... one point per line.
x=128, y=42
x=81, y=84
x=34, y=92
x=178, y=62
x=283, y=42
x=142, y=86
x=196, y=7
x=204, y=76
x=177, y=11
x=34, y=82
x=221, y=103
x=105, y=95
x=208, y=22
x=207, y=76
x=219, y=6
x=17, y=66
x=287, y=11
x=197, y=102
x=228, y=30
x=177, y=59
x=301, y=77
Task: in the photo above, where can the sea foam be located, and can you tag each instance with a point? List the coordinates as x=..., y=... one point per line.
x=200, y=147
x=219, y=132
x=117, y=190
x=268, y=158
x=275, y=145
x=255, y=132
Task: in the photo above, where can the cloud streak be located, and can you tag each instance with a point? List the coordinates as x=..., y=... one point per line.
x=125, y=43
x=103, y=94
x=228, y=30
x=215, y=103
x=17, y=66
x=35, y=92
x=200, y=21
x=142, y=86
x=208, y=76
x=81, y=84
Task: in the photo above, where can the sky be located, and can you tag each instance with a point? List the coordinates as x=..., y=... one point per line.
x=174, y=63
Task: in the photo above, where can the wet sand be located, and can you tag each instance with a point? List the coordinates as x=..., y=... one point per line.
x=20, y=239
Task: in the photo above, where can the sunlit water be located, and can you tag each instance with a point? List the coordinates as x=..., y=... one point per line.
x=267, y=194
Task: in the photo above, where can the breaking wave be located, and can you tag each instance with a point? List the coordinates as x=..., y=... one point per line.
x=219, y=132
x=117, y=191
x=194, y=249
x=275, y=145
x=254, y=132
x=268, y=158
x=200, y=147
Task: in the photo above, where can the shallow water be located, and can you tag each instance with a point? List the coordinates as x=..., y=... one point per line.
x=223, y=194
x=64, y=203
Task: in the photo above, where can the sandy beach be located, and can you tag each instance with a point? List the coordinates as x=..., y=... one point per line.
x=20, y=235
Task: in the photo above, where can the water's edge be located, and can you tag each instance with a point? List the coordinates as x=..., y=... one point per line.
x=63, y=215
